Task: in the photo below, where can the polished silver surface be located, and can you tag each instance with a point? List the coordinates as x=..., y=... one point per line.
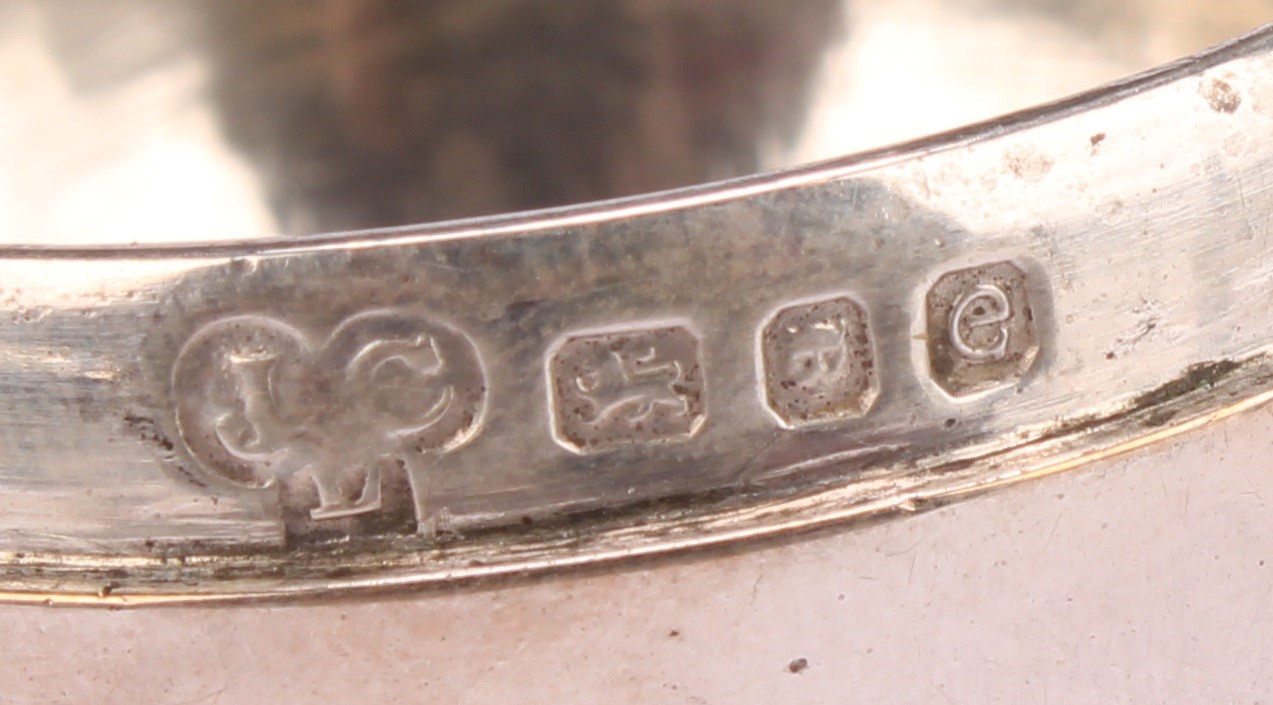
x=152, y=121
x=1140, y=578
x=867, y=336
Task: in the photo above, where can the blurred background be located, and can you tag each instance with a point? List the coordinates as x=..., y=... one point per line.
x=146, y=120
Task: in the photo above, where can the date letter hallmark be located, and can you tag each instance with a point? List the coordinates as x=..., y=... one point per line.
x=817, y=363
x=981, y=328
x=632, y=386
x=260, y=405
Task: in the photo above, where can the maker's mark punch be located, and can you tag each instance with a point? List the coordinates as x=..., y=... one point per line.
x=258, y=404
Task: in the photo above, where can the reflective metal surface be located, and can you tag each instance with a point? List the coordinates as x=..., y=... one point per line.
x=869, y=336
x=1142, y=578
x=153, y=121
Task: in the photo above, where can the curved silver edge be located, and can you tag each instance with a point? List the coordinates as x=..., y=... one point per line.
x=862, y=338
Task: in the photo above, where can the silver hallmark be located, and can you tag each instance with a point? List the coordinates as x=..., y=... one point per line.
x=638, y=385
x=980, y=328
x=817, y=362
x=260, y=405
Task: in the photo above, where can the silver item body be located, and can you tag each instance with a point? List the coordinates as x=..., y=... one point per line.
x=867, y=336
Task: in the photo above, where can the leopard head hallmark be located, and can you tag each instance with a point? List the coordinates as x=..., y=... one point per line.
x=336, y=427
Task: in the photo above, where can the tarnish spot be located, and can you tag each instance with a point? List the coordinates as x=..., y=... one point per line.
x=1222, y=97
